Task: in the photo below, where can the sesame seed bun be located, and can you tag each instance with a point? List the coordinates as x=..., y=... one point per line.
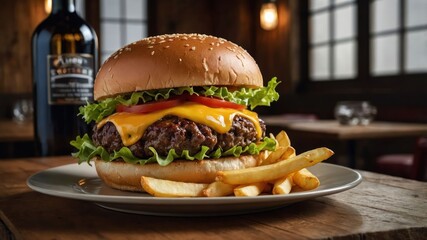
x=177, y=60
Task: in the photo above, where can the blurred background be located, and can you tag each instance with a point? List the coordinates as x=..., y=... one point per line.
x=323, y=52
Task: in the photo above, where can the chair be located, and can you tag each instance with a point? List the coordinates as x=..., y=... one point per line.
x=411, y=166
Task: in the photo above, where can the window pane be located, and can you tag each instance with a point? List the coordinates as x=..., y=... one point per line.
x=344, y=22
x=319, y=27
x=385, y=15
x=319, y=4
x=416, y=51
x=416, y=13
x=135, y=31
x=110, y=9
x=344, y=60
x=110, y=36
x=385, y=54
x=135, y=9
x=336, y=2
x=319, y=63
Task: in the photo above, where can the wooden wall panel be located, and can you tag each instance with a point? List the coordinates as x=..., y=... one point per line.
x=231, y=20
x=17, y=22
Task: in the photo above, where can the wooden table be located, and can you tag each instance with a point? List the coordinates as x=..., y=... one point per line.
x=333, y=130
x=12, y=131
x=380, y=207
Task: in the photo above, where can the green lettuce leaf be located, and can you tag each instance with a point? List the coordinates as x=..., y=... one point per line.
x=87, y=150
x=245, y=96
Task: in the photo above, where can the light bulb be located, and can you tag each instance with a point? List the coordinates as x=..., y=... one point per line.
x=268, y=16
x=48, y=6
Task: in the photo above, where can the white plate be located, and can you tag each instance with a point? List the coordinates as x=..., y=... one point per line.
x=81, y=182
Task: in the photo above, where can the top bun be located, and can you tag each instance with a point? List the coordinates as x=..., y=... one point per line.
x=177, y=60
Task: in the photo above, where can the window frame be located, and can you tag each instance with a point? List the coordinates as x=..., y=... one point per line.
x=364, y=82
x=122, y=21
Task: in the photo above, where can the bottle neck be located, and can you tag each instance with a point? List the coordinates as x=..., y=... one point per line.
x=63, y=6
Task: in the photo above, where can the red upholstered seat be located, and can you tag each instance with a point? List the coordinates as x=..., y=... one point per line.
x=405, y=165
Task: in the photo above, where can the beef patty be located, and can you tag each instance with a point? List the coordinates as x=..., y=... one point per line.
x=179, y=134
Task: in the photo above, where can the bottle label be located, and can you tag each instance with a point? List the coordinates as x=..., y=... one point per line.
x=70, y=78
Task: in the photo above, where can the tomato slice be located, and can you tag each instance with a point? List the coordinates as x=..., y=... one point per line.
x=215, y=102
x=149, y=107
x=175, y=101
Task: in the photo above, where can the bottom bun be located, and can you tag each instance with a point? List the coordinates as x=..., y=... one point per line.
x=127, y=176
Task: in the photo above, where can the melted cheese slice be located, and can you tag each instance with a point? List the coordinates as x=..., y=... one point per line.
x=131, y=126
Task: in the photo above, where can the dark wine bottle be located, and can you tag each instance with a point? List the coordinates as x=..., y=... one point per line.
x=65, y=61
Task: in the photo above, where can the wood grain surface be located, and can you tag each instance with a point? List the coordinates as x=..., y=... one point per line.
x=11, y=131
x=332, y=129
x=381, y=207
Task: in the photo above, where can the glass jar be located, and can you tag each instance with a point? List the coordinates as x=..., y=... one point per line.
x=355, y=112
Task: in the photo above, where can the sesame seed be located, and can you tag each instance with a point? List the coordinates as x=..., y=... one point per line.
x=180, y=59
x=166, y=46
x=150, y=46
x=152, y=53
x=162, y=41
x=210, y=49
x=193, y=48
x=187, y=45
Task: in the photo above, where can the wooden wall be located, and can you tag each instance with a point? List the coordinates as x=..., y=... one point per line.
x=17, y=22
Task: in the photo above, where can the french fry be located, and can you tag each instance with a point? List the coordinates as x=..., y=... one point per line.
x=274, y=171
x=290, y=152
x=263, y=155
x=283, y=150
x=305, y=179
x=283, y=185
x=274, y=156
x=250, y=190
x=280, y=172
x=283, y=139
x=218, y=189
x=166, y=188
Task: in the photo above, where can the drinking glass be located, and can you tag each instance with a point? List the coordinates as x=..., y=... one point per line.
x=355, y=112
x=23, y=110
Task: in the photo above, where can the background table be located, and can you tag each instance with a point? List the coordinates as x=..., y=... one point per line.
x=331, y=129
x=16, y=138
x=11, y=131
x=380, y=207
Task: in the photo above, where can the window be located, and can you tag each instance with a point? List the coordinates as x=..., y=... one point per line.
x=121, y=22
x=332, y=50
x=365, y=41
x=398, y=36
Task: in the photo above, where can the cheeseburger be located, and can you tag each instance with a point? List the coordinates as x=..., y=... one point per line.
x=176, y=107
